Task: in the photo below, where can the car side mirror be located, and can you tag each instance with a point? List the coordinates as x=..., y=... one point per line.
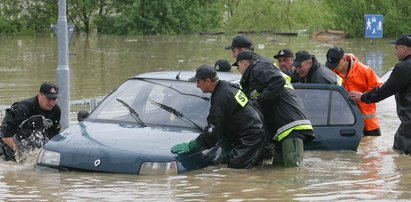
x=81, y=115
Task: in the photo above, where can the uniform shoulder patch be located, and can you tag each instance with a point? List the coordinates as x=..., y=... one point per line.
x=241, y=98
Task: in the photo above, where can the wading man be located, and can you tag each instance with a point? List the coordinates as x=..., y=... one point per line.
x=283, y=110
x=398, y=84
x=233, y=123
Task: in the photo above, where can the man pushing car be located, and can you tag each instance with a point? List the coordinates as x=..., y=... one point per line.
x=233, y=123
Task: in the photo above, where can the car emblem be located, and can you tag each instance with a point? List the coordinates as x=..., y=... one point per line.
x=97, y=163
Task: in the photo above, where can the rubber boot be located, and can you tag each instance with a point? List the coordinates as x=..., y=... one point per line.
x=375, y=132
x=293, y=152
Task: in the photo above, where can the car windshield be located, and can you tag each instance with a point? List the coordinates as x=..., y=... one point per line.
x=142, y=95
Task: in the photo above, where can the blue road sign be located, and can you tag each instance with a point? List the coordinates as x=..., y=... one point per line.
x=373, y=25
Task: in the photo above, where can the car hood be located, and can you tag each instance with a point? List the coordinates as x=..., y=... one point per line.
x=117, y=147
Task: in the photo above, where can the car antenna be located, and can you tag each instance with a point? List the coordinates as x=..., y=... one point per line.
x=178, y=75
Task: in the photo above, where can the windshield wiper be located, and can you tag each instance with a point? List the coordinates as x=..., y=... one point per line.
x=188, y=94
x=177, y=113
x=133, y=113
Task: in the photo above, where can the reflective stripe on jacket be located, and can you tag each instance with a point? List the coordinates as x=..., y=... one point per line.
x=295, y=125
x=277, y=98
x=362, y=78
x=236, y=124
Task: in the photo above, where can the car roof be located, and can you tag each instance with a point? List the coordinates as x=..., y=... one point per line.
x=186, y=75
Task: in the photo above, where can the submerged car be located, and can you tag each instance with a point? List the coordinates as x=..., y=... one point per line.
x=134, y=127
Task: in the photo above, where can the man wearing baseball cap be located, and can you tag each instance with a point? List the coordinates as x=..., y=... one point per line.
x=286, y=119
x=285, y=59
x=222, y=65
x=233, y=123
x=398, y=84
x=242, y=43
x=356, y=77
x=312, y=71
x=44, y=103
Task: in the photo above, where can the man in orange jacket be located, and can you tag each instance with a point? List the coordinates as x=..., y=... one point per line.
x=358, y=77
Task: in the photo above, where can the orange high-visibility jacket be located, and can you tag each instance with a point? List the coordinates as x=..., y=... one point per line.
x=362, y=78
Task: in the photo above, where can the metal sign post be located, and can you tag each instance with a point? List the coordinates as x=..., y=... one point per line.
x=63, y=71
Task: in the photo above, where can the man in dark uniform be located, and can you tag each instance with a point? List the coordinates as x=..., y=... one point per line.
x=242, y=43
x=283, y=110
x=232, y=122
x=311, y=71
x=398, y=84
x=44, y=103
x=285, y=59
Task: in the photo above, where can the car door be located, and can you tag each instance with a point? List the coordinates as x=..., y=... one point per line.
x=337, y=121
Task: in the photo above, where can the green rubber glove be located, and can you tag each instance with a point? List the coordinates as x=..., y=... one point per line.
x=191, y=147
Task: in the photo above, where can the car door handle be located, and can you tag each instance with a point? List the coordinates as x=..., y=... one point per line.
x=347, y=132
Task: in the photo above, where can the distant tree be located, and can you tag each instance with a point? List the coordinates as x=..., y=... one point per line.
x=278, y=15
x=189, y=16
x=168, y=17
x=348, y=15
x=81, y=12
x=27, y=16
x=397, y=18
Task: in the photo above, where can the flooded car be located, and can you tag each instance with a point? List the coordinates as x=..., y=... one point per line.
x=133, y=128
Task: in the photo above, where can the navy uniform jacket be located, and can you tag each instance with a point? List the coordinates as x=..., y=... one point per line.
x=235, y=123
x=23, y=110
x=398, y=84
x=320, y=74
x=280, y=105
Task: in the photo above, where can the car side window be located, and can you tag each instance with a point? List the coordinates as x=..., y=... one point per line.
x=341, y=113
x=316, y=104
x=326, y=107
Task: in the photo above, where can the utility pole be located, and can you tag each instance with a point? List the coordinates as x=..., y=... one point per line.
x=63, y=70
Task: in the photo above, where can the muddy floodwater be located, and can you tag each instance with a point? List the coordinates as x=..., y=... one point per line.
x=98, y=64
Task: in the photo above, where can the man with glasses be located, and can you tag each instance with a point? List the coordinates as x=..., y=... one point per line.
x=398, y=84
x=311, y=71
x=44, y=103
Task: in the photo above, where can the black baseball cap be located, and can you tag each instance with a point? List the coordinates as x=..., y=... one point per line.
x=49, y=89
x=284, y=53
x=334, y=56
x=240, y=41
x=204, y=72
x=403, y=40
x=245, y=55
x=301, y=56
x=222, y=65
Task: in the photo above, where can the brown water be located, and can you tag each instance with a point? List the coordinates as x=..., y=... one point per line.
x=99, y=64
